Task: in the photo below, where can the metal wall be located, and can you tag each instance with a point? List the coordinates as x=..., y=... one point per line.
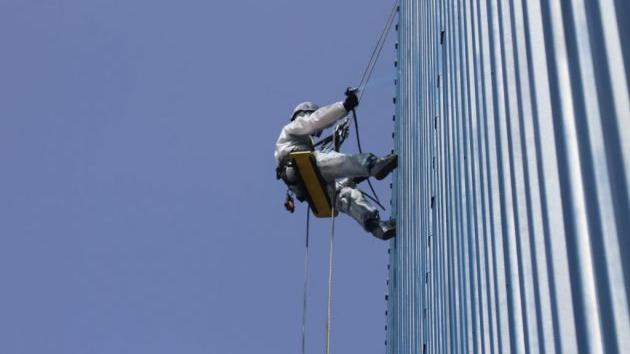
x=513, y=190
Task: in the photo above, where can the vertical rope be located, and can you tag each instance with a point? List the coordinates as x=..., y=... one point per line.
x=362, y=85
x=330, y=271
x=374, y=196
x=376, y=53
x=308, y=221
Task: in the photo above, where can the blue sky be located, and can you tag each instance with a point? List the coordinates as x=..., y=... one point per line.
x=140, y=211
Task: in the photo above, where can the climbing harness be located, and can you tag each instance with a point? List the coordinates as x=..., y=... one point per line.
x=336, y=139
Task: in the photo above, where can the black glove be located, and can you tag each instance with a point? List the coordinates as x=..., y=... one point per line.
x=351, y=100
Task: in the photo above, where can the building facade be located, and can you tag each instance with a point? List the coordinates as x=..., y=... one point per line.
x=512, y=194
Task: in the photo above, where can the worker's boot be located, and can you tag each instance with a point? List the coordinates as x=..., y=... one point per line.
x=383, y=166
x=383, y=230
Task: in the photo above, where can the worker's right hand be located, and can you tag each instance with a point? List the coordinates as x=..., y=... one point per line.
x=351, y=100
x=344, y=130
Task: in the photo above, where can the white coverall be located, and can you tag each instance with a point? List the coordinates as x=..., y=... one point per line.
x=333, y=166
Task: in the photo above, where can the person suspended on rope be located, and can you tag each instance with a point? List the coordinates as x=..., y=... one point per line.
x=341, y=172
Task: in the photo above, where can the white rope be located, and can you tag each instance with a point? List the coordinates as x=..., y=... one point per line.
x=308, y=217
x=367, y=74
x=376, y=53
x=330, y=272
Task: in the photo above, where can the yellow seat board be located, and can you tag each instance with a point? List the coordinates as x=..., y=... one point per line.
x=314, y=184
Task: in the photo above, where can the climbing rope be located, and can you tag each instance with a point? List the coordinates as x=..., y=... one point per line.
x=308, y=219
x=365, y=78
x=374, y=196
x=331, y=249
x=376, y=53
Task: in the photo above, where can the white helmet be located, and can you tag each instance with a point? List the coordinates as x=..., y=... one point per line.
x=304, y=107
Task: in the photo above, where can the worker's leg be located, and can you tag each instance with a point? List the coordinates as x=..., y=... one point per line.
x=352, y=202
x=334, y=165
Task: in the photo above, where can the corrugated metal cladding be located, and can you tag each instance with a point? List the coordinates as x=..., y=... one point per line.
x=513, y=190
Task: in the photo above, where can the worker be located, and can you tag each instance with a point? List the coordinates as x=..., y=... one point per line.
x=340, y=171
